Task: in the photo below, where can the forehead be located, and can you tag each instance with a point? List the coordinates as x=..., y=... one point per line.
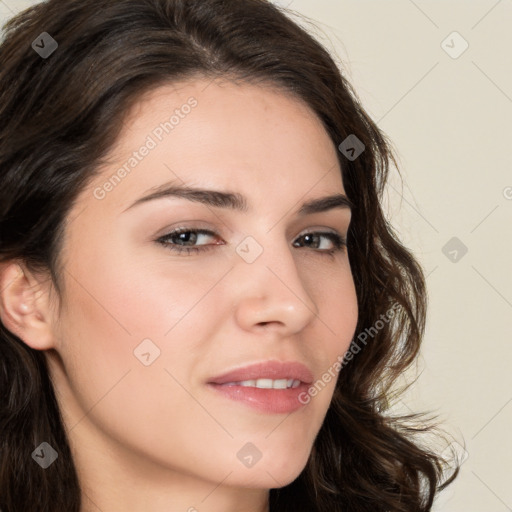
x=223, y=134
x=221, y=108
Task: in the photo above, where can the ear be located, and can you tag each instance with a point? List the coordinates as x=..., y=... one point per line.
x=25, y=305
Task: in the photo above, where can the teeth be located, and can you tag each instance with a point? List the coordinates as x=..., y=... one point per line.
x=279, y=384
x=267, y=383
x=248, y=383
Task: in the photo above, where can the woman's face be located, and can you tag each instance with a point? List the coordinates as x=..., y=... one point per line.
x=145, y=329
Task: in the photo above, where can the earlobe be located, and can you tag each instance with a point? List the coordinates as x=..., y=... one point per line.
x=24, y=306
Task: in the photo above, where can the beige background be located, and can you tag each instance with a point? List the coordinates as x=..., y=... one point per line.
x=449, y=116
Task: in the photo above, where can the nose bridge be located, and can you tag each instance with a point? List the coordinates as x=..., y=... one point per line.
x=272, y=289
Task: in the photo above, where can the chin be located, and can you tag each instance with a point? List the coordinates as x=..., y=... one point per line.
x=274, y=472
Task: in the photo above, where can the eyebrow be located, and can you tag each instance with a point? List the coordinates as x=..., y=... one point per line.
x=236, y=201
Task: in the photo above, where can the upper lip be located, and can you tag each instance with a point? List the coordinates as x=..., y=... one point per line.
x=266, y=370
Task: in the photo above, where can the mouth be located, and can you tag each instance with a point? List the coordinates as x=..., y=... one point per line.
x=271, y=387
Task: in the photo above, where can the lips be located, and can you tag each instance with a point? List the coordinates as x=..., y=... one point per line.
x=274, y=370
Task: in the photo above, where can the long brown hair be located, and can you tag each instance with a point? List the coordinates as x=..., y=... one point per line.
x=60, y=113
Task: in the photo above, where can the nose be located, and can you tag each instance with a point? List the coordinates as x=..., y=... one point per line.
x=271, y=293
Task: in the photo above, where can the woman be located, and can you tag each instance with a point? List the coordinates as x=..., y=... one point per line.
x=202, y=304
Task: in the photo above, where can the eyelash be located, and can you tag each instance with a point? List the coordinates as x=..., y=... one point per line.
x=338, y=241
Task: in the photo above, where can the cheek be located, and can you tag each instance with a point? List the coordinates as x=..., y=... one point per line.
x=156, y=298
x=134, y=298
x=338, y=314
x=337, y=306
x=108, y=316
x=122, y=311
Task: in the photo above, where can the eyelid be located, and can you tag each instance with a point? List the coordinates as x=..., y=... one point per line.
x=194, y=225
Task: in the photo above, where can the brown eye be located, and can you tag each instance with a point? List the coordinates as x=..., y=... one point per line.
x=182, y=240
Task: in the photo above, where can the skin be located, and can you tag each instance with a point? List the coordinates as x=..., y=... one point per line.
x=155, y=438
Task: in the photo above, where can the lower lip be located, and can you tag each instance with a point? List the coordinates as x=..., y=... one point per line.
x=274, y=401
